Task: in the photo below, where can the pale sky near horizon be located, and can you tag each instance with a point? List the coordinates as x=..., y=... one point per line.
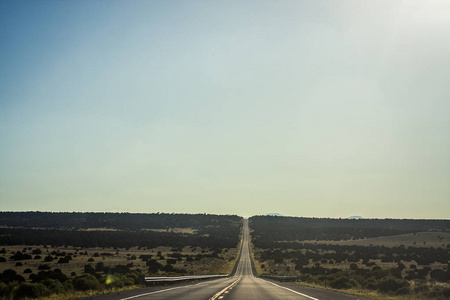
x=304, y=108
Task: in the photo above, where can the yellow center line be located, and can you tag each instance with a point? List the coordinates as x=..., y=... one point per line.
x=216, y=296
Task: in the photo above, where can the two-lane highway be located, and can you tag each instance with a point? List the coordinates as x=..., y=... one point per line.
x=243, y=285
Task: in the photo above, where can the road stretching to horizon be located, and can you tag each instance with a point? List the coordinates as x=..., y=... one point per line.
x=242, y=285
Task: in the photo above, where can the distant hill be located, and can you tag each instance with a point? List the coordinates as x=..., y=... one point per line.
x=274, y=215
x=355, y=218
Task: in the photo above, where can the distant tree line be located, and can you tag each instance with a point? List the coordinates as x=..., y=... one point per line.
x=268, y=229
x=119, y=221
x=63, y=229
x=227, y=237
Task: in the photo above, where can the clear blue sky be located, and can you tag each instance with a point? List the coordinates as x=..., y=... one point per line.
x=305, y=108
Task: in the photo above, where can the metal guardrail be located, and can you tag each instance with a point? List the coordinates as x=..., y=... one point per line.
x=180, y=278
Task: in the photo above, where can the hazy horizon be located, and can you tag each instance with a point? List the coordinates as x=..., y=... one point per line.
x=243, y=216
x=305, y=108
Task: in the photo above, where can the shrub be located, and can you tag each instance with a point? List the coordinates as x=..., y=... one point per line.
x=133, y=276
x=403, y=291
x=410, y=275
x=342, y=282
x=36, y=251
x=43, y=275
x=28, y=270
x=153, y=266
x=53, y=286
x=30, y=290
x=89, y=269
x=145, y=257
x=44, y=267
x=4, y=290
x=86, y=282
x=20, y=256
x=63, y=260
x=396, y=273
x=440, y=275
x=119, y=269
x=128, y=281
x=99, y=267
x=68, y=285
x=439, y=291
x=278, y=260
x=168, y=268
x=371, y=286
x=421, y=288
x=11, y=276
x=391, y=284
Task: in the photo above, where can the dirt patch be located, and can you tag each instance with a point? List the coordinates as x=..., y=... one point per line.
x=174, y=230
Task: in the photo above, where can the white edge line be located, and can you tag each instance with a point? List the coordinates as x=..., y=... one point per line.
x=161, y=291
x=291, y=290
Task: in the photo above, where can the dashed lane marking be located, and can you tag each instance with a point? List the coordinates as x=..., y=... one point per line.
x=220, y=294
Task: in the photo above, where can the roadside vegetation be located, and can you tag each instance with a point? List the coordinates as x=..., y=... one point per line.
x=298, y=247
x=68, y=262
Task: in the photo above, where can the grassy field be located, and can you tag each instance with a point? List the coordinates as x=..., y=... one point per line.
x=176, y=230
x=362, y=279
x=420, y=239
x=288, y=266
x=113, y=257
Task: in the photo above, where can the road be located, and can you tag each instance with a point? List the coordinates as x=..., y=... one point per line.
x=243, y=285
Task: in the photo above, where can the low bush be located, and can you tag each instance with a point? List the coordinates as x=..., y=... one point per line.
x=391, y=284
x=30, y=290
x=403, y=291
x=341, y=282
x=86, y=282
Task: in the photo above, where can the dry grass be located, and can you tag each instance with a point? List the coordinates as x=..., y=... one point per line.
x=420, y=239
x=100, y=229
x=80, y=294
x=288, y=266
x=174, y=230
x=119, y=257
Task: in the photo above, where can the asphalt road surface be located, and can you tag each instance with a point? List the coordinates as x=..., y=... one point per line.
x=242, y=286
